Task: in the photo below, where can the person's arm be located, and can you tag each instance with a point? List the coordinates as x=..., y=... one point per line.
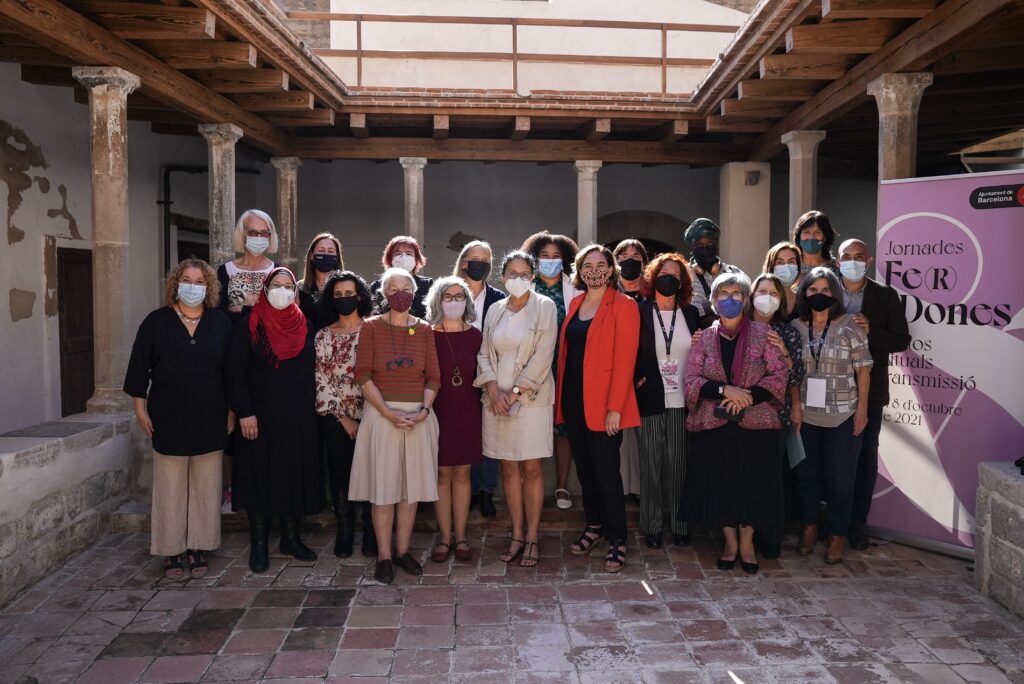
x=538, y=368
x=372, y=395
x=626, y=339
x=860, y=416
x=236, y=371
x=327, y=397
x=136, y=379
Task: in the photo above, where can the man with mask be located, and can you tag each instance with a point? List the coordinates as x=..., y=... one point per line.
x=703, y=236
x=878, y=311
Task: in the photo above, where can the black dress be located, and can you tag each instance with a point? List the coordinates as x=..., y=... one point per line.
x=182, y=379
x=281, y=471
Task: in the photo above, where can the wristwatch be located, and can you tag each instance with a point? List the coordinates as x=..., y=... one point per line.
x=721, y=390
x=516, y=391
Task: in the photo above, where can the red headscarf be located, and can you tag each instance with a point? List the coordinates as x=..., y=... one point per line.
x=285, y=329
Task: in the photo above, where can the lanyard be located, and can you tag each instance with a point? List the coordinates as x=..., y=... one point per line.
x=671, y=331
x=815, y=349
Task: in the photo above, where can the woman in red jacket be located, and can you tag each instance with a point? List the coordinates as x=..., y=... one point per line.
x=597, y=351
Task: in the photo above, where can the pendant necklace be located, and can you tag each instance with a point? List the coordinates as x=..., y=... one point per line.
x=456, y=373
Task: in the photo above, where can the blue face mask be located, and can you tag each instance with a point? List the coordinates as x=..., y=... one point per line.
x=811, y=246
x=853, y=270
x=257, y=245
x=729, y=308
x=549, y=268
x=786, y=273
x=191, y=294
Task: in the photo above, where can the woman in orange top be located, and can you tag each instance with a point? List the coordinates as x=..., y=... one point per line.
x=596, y=401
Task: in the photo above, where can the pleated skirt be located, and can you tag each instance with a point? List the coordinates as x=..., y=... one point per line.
x=392, y=465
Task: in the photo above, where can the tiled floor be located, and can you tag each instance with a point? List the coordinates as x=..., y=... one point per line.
x=892, y=614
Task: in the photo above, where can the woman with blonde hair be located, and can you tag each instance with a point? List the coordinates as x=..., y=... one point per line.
x=176, y=377
x=241, y=280
x=323, y=257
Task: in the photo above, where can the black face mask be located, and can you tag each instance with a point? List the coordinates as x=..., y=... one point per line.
x=819, y=301
x=705, y=255
x=477, y=270
x=325, y=263
x=630, y=268
x=667, y=285
x=345, y=305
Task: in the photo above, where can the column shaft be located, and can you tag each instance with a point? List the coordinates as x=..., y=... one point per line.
x=413, y=168
x=899, y=98
x=221, y=139
x=586, y=200
x=803, y=171
x=287, y=209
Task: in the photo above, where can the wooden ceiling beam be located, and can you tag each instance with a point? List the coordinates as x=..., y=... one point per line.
x=357, y=124
x=231, y=81
x=779, y=90
x=190, y=54
x=26, y=52
x=139, y=21
x=738, y=110
x=875, y=9
x=718, y=124
x=597, y=129
x=811, y=67
x=441, y=126
x=291, y=100
x=843, y=38
x=520, y=128
x=980, y=61
x=674, y=131
x=313, y=117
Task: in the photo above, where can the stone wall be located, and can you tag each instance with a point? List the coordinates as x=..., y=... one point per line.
x=999, y=535
x=59, y=481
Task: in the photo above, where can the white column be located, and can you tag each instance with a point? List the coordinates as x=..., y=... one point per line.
x=803, y=171
x=287, y=209
x=108, y=134
x=586, y=200
x=744, y=200
x=220, y=140
x=899, y=98
x=413, y=168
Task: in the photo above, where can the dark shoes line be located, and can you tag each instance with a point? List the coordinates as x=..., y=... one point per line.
x=654, y=541
x=385, y=571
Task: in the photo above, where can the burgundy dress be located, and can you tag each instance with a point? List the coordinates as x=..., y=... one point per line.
x=459, y=411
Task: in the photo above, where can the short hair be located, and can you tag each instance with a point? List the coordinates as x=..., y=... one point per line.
x=685, y=294
x=773, y=253
x=566, y=245
x=817, y=273
x=819, y=218
x=435, y=314
x=465, y=250
x=238, y=237
x=326, y=306
x=780, y=290
x=308, y=272
x=209, y=275
x=635, y=244
x=724, y=279
x=518, y=254
x=396, y=242
x=613, y=276
x=391, y=273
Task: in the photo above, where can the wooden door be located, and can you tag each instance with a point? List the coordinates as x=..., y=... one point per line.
x=74, y=311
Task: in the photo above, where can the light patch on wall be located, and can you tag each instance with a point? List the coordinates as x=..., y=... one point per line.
x=21, y=304
x=63, y=212
x=50, y=273
x=18, y=154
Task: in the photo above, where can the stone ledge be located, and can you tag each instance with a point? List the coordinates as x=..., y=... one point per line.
x=999, y=535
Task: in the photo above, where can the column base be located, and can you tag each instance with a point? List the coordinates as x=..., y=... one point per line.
x=109, y=400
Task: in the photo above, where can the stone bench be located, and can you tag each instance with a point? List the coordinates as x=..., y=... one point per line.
x=999, y=535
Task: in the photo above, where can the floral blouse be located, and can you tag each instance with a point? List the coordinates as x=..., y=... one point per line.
x=337, y=393
x=794, y=346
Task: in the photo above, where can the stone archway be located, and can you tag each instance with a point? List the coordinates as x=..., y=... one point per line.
x=660, y=232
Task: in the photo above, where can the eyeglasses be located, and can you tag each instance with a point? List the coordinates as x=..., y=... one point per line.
x=257, y=233
x=523, y=276
x=453, y=298
x=736, y=295
x=400, y=362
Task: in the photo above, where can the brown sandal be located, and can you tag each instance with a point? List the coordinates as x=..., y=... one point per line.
x=462, y=551
x=439, y=555
x=615, y=560
x=585, y=544
x=530, y=560
x=509, y=555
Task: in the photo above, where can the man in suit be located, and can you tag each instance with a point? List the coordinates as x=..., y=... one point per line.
x=878, y=310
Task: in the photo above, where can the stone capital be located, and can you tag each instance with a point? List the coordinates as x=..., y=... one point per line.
x=587, y=169
x=112, y=77
x=221, y=134
x=899, y=92
x=802, y=142
x=286, y=164
x=412, y=163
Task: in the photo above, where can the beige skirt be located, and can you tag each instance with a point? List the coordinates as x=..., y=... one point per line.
x=524, y=436
x=392, y=465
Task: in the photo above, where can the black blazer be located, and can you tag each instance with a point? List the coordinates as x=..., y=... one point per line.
x=889, y=334
x=650, y=397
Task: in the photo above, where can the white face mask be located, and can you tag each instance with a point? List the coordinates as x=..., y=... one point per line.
x=453, y=311
x=766, y=305
x=257, y=245
x=280, y=297
x=405, y=262
x=192, y=294
x=787, y=273
x=517, y=287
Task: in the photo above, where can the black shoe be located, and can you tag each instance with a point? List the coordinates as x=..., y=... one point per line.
x=369, y=544
x=487, y=508
x=291, y=542
x=681, y=539
x=259, y=533
x=652, y=541
x=749, y=568
x=409, y=564
x=726, y=564
x=473, y=501
x=858, y=537
x=385, y=572
x=344, y=517
x=771, y=550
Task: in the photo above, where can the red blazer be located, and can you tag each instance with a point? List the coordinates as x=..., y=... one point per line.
x=607, y=362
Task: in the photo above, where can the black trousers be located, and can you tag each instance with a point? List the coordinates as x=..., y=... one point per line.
x=596, y=456
x=340, y=448
x=867, y=467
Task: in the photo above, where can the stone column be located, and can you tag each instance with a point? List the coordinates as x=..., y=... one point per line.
x=744, y=200
x=112, y=335
x=220, y=140
x=586, y=200
x=287, y=209
x=898, y=97
x=413, y=167
x=803, y=171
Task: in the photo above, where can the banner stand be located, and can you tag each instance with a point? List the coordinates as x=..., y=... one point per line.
x=923, y=543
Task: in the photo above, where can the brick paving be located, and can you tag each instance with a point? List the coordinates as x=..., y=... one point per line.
x=890, y=614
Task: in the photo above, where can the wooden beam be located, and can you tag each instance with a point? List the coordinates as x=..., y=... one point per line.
x=718, y=124
x=674, y=131
x=1011, y=141
x=980, y=61
x=875, y=9
x=190, y=54
x=597, y=129
x=138, y=21
x=842, y=38
x=813, y=67
x=520, y=128
x=22, y=51
x=313, y=117
x=357, y=123
x=291, y=100
x=753, y=109
x=779, y=90
x=244, y=80
x=48, y=76
x=441, y=124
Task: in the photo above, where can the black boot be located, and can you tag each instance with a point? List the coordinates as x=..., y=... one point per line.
x=344, y=512
x=369, y=548
x=259, y=534
x=487, y=508
x=291, y=543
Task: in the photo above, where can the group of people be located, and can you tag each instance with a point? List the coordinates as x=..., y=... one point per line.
x=738, y=396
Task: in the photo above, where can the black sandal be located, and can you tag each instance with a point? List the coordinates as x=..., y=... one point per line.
x=197, y=565
x=174, y=569
x=508, y=556
x=585, y=544
x=530, y=560
x=615, y=560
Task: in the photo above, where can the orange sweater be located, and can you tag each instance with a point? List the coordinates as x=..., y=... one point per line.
x=381, y=343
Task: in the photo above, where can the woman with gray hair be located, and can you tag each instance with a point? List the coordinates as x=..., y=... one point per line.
x=735, y=384
x=458, y=411
x=241, y=280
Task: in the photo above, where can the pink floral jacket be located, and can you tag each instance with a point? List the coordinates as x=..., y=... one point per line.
x=762, y=366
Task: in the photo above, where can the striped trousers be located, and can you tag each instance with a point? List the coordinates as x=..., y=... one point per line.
x=662, y=441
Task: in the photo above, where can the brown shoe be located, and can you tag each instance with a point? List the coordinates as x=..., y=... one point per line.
x=808, y=535
x=834, y=552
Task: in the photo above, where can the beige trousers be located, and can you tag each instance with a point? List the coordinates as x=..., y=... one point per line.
x=186, y=503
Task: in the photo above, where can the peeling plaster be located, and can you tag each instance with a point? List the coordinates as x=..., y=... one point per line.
x=64, y=213
x=50, y=275
x=459, y=239
x=18, y=154
x=21, y=304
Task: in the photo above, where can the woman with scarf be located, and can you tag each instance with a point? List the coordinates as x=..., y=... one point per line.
x=277, y=470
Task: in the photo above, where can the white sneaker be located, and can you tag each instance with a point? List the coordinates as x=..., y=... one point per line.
x=562, y=499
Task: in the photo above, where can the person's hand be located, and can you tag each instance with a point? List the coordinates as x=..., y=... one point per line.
x=642, y=382
x=776, y=340
x=796, y=416
x=144, y=421
x=498, y=407
x=696, y=337
x=739, y=396
x=350, y=426
x=860, y=421
x=250, y=299
x=400, y=420
x=250, y=430
x=862, y=320
x=611, y=423
x=232, y=421
x=419, y=416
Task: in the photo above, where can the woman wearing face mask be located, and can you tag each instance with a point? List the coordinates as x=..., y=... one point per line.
x=735, y=384
x=322, y=258
x=176, y=376
x=554, y=255
x=834, y=394
x=667, y=323
x=783, y=261
x=631, y=256
x=346, y=301
x=703, y=236
x=277, y=466
x=450, y=312
x=241, y=280
x=597, y=353
x=814, y=234
x=515, y=372
x=404, y=252
x=395, y=462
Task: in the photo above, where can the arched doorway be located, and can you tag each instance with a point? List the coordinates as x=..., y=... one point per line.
x=660, y=232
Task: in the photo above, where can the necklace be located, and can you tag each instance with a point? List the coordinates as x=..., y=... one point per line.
x=185, y=318
x=400, y=360
x=456, y=373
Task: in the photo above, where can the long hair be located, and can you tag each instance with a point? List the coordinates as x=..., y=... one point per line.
x=685, y=294
x=435, y=312
x=773, y=253
x=819, y=218
x=613, y=266
x=473, y=244
x=308, y=272
x=780, y=290
x=209, y=275
x=817, y=273
x=326, y=305
x=238, y=236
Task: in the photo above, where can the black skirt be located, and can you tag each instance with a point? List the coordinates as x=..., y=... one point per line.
x=733, y=477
